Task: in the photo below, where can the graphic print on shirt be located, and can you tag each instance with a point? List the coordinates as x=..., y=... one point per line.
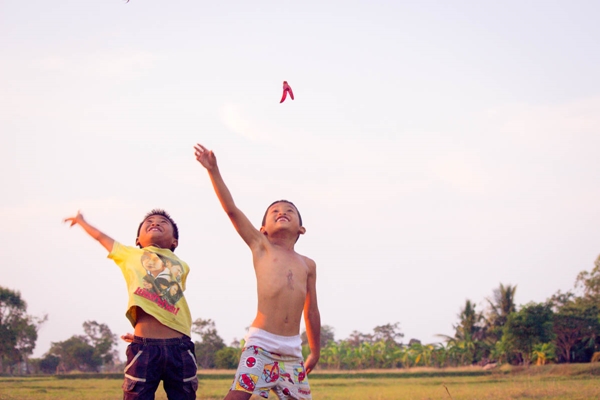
x=162, y=282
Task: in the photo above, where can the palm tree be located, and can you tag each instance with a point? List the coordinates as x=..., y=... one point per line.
x=501, y=305
x=469, y=333
x=470, y=322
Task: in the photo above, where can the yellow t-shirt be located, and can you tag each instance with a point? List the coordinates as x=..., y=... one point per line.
x=155, y=280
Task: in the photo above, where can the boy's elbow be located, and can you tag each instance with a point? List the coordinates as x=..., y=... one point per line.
x=230, y=213
x=231, y=210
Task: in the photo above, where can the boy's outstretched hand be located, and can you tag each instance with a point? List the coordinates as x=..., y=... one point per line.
x=205, y=157
x=78, y=219
x=106, y=241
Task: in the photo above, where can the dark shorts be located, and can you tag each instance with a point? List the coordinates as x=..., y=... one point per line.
x=150, y=361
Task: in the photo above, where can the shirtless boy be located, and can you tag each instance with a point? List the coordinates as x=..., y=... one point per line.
x=286, y=287
x=161, y=348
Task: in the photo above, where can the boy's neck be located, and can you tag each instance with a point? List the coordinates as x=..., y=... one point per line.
x=156, y=245
x=283, y=240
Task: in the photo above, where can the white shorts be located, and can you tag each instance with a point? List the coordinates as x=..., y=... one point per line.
x=261, y=371
x=284, y=345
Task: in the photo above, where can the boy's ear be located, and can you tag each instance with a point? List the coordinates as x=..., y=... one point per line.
x=174, y=244
x=302, y=230
x=262, y=230
x=137, y=242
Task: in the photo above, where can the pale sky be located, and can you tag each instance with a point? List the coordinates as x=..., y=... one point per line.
x=435, y=149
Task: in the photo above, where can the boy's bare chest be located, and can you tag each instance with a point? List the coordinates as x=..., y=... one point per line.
x=281, y=271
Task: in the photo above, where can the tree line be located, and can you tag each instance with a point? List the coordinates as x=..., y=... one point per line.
x=563, y=329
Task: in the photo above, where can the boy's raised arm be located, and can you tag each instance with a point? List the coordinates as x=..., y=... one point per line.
x=241, y=223
x=106, y=241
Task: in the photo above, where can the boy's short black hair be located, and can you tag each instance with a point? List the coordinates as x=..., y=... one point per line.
x=162, y=213
x=282, y=201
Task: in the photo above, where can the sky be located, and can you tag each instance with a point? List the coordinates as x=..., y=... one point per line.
x=435, y=150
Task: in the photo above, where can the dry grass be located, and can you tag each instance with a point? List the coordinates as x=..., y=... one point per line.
x=550, y=382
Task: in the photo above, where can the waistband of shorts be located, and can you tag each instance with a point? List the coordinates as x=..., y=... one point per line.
x=283, y=345
x=161, y=342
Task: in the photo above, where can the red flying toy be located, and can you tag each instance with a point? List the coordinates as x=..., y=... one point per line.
x=286, y=89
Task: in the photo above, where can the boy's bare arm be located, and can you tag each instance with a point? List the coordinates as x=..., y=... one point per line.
x=312, y=319
x=241, y=223
x=106, y=241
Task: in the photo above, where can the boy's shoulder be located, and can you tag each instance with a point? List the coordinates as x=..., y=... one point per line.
x=309, y=261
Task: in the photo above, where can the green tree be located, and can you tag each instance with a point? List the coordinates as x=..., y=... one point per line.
x=377, y=350
x=348, y=355
x=589, y=282
x=543, y=353
x=337, y=355
x=502, y=351
x=103, y=341
x=469, y=326
x=575, y=324
x=49, y=363
x=389, y=333
x=529, y=326
x=577, y=318
x=327, y=335
x=356, y=338
x=330, y=356
x=18, y=330
x=210, y=342
x=421, y=353
x=76, y=353
x=440, y=355
x=407, y=357
x=501, y=305
x=227, y=357
x=89, y=352
x=466, y=345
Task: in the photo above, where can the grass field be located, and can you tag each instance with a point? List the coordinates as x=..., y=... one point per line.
x=565, y=382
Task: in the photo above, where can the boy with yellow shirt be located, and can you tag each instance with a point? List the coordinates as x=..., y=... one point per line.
x=161, y=347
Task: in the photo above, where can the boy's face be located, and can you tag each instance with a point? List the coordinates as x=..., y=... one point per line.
x=282, y=216
x=156, y=231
